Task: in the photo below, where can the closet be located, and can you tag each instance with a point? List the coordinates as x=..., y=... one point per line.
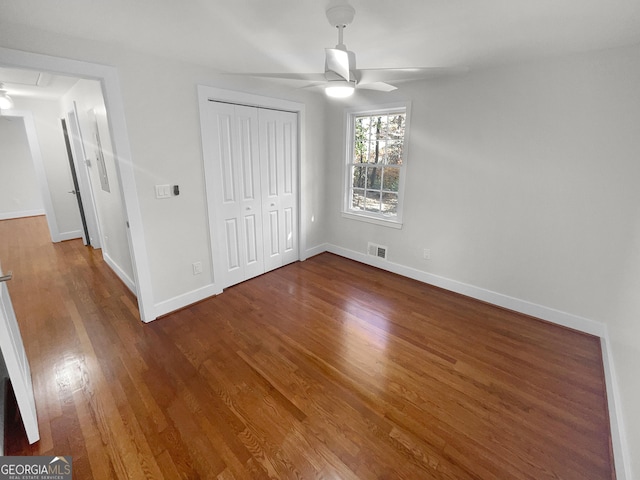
x=253, y=205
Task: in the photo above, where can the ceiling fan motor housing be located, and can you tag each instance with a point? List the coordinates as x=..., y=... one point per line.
x=340, y=15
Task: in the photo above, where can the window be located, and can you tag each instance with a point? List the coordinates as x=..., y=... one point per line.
x=376, y=163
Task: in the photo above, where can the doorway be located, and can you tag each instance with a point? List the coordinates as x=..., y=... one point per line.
x=68, y=160
x=108, y=79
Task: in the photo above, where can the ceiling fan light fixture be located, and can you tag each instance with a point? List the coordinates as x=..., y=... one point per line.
x=340, y=88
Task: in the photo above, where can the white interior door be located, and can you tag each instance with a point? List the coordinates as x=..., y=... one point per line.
x=15, y=358
x=278, y=162
x=84, y=180
x=237, y=198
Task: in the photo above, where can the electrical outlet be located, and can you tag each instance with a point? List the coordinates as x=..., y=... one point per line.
x=426, y=254
x=197, y=268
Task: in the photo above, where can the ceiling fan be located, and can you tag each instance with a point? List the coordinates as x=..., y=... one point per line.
x=341, y=77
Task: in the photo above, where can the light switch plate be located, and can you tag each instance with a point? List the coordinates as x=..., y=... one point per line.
x=163, y=191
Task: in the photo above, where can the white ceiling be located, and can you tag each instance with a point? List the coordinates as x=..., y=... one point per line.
x=290, y=35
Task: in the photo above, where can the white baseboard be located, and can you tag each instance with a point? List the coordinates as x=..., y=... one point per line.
x=62, y=236
x=522, y=306
x=618, y=434
x=21, y=214
x=565, y=319
x=131, y=285
x=317, y=250
x=186, y=299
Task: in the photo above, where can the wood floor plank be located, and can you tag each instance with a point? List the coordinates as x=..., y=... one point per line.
x=321, y=369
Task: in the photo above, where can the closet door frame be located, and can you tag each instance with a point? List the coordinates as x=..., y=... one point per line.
x=208, y=94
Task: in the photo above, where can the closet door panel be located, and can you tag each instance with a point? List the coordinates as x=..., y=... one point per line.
x=279, y=154
x=225, y=155
x=226, y=233
x=273, y=243
x=289, y=243
x=289, y=156
x=237, y=239
x=252, y=242
x=247, y=159
x=231, y=244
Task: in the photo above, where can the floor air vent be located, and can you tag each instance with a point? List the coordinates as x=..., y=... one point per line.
x=375, y=250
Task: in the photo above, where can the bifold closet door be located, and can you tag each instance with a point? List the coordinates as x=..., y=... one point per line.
x=252, y=167
x=278, y=172
x=237, y=200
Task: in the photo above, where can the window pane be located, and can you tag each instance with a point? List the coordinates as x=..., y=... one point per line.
x=357, y=199
x=361, y=140
x=373, y=201
x=359, y=152
x=374, y=180
x=382, y=151
x=374, y=153
x=390, y=203
x=381, y=127
x=376, y=126
x=396, y=126
x=394, y=153
x=359, y=176
x=378, y=149
x=391, y=176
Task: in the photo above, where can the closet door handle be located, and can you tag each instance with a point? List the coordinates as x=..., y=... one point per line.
x=7, y=277
x=248, y=208
x=273, y=204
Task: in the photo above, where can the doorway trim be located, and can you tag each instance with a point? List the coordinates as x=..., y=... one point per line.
x=213, y=94
x=109, y=81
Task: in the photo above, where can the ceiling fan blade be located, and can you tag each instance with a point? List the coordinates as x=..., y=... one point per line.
x=371, y=75
x=337, y=61
x=308, y=77
x=379, y=86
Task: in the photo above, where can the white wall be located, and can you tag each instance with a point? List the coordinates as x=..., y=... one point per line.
x=523, y=180
x=19, y=192
x=163, y=118
x=87, y=95
x=56, y=164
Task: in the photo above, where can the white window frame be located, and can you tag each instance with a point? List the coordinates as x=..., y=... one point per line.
x=349, y=119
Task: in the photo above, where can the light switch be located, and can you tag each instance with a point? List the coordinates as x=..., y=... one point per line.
x=163, y=191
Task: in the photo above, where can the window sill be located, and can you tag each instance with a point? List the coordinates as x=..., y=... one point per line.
x=374, y=220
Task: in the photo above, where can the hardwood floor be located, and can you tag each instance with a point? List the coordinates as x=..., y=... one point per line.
x=322, y=369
